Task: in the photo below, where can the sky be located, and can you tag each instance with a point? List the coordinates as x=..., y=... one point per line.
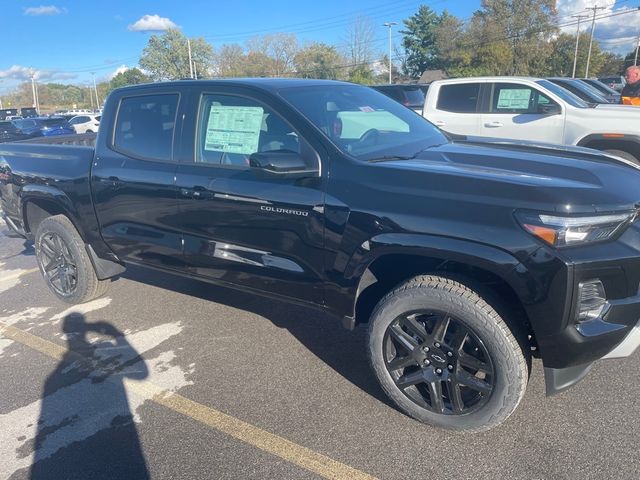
x=65, y=40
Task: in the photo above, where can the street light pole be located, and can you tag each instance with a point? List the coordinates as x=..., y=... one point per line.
x=635, y=61
x=593, y=26
x=389, y=25
x=575, y=55
x=190, y=61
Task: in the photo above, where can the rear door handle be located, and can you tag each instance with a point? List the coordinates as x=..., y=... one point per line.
x=493, y=124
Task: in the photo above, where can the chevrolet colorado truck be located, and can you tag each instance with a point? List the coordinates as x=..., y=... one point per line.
x=465, y=259
x=532, y=109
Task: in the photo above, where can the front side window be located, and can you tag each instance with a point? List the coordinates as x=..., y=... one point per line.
x=363, y=122
x=144, y=126
x=459, y=97
x=232, y=128
x=515, y=98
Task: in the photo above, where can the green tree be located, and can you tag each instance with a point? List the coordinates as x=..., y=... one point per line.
x=516, y=34
x=419, y=42
x=166, y=56
x=318, y=60
x=132, y=76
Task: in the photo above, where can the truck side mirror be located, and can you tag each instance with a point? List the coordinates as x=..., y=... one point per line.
x=282, y=163
x=549, y=109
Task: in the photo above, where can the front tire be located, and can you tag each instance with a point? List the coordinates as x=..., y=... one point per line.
x=445, y=356
x=64, y=262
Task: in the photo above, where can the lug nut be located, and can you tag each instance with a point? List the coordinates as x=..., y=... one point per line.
x=449, y=354
x=450, y=367
x=425, y=349
x=438, y=371
x=437, y=345
x=427, y=362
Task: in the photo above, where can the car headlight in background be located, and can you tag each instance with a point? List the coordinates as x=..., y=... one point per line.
x=561, y=231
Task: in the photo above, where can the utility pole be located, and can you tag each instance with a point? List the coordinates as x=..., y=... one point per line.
x=190, y=61
x=195, y=71
x=95, y=89
x=575, y=55
x=90, y=95
x=389, y=25
x=33, y=87
x=593, y=26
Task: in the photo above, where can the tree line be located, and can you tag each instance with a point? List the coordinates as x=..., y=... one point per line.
x=503, y=37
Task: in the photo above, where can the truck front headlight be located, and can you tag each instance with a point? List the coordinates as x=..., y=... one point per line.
x=561, y=231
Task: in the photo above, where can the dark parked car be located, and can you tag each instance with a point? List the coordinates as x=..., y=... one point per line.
x=580, y=90
x=411, y=96
x=465, y=258
x=605, y=90
x=10, y=133
x=8, y=112
x=44, y=126
x=617, y=82
x=28, y=112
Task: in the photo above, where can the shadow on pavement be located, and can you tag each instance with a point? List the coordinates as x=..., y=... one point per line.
x=86, y=429
x=342, y=350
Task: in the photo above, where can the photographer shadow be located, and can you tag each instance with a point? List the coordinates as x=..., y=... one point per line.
x=86, y=429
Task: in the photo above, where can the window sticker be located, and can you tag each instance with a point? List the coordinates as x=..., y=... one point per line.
x=514, y=98
x=233, y=129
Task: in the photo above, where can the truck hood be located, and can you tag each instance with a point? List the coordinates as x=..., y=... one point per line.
x=546, y=177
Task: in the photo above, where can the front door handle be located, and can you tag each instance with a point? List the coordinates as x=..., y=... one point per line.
x=198, y=192
x=493, y=124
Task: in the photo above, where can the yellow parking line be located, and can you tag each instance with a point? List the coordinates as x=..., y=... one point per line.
x=234, y=427
x=19, y=274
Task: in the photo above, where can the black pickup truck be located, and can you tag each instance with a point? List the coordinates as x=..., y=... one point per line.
x=465, y=259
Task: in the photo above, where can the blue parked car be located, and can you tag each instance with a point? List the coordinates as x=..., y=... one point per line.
x=46, y=127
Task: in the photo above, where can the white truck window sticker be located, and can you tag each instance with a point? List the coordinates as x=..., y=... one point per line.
x=514, y=98
x=233, y=129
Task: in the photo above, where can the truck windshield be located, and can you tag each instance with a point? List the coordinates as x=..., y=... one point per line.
x=362, y=122
x=564, y=94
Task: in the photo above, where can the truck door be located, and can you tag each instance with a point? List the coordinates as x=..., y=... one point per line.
x=521, y=112
x=133, y=180
x=241, y=226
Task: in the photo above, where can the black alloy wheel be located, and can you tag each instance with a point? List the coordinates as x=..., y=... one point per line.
x=438, y=362
x=445, y=356
x=57, y=264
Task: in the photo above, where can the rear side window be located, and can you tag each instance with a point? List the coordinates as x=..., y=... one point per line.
x=144, y=126
x=459, y=98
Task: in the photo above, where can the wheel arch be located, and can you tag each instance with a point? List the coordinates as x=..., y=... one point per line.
x=606, y=141
x=40, y=202
x=487, y=270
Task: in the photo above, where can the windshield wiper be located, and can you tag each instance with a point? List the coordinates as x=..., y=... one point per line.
x=392, y=157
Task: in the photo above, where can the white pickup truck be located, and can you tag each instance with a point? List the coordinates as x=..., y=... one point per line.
x=523, y=108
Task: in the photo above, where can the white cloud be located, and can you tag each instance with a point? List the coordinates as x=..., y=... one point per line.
x=617, y=33
x=120, y=69
x=21, y=73
x=152, y=23
x=44, y=10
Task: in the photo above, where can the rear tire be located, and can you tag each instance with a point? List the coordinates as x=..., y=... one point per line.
x=445, y=356
x=64, y=262
x=625, y=155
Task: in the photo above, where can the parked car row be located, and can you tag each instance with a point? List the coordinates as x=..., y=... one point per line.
x=24, y=128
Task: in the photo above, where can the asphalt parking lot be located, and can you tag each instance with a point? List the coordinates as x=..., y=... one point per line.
x=169, y=378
